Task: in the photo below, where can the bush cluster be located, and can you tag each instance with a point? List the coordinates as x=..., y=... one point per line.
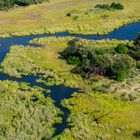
x=134, y=51
x=90, y=62
x=6, y=4
x=112, y=6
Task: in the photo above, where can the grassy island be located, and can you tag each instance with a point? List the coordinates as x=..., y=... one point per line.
x=103, y=76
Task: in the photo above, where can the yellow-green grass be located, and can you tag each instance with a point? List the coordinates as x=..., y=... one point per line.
x=123, y=118
x=49, y=58
x=118, y=120
x=51, y=17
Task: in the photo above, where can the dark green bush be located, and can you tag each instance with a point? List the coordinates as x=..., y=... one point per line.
x=74, y=60
x=103, y=63
x=74, y=41
x=117, y=6
x=138, y=64
x=137, y=41
x=6, y=4
x=78, y=70
x=68, y=14
x=121, y=48
x=120, y=77
x=121, y=63
x=137, y=134
x=103, y=6
x=135, y=54
x=112, y=6
x=92, y=62
x=135, y=50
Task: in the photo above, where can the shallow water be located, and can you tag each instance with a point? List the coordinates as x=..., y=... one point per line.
x=128, y=32
x=58, y=93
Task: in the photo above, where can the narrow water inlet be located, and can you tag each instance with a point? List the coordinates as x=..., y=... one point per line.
x=127, y=32
x=58, y=93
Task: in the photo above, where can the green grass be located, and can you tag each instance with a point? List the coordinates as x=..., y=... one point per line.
x=21, y=117
x=51, y=17
x=120, y=118
x=116, y=119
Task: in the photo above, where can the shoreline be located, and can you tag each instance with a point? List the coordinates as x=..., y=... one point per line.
x=24, y=34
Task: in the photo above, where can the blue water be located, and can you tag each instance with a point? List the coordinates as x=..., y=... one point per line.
x=58, y=93
x=128, y=32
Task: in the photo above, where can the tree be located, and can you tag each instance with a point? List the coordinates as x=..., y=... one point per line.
x=121, y=65
x=121, y=48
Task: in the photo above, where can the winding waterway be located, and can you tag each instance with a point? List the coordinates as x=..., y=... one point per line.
x=58, y=93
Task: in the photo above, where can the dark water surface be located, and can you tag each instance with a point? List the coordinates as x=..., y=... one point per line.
x=58, y=93
x=128, y=32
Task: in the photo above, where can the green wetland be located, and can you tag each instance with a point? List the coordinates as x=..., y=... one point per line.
x=72, y=82
x=45, y=87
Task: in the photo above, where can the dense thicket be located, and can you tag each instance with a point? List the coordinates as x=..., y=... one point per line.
x=89, y=61
x=5, y=4
x=134, y=51
x=112, y=6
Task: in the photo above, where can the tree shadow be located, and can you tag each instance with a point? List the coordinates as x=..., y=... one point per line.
x=137, y=134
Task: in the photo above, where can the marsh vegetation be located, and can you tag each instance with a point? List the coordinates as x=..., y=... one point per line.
x=25, y=112
x=93, y=69
x=115, y=63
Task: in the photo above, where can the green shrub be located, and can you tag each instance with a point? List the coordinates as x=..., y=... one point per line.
x=112, y=6
x=101, y=89
x=74, y=60
x=74, y=41
x=135, y=50
x=26, y=113
x=137, y=134
x=120, y=77
x=121, y=63
x=91, y=62
x=121, y=48
x=103, y=6
x=6, y=4
x=97, y=61
x=137, y=41
x=117, y=6
x=78, y=70
x=68, y=14
x=138, y=64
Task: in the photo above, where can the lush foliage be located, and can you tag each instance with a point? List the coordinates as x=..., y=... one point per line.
x=99, y=61
x=112, y=6
x=74, y=60
x=25, y=112
x=92, y=115
x=121, y=48
x=19, y=62
x=5, y=4
x=134, y=50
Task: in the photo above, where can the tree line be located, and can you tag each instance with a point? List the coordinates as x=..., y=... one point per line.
x=6, y=4
x=114, y=63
